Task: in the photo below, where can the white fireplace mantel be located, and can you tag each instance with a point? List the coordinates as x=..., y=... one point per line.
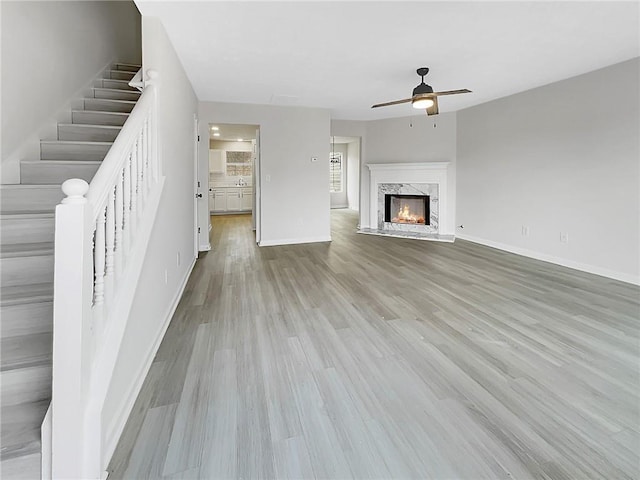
x=424, y=172
x=375, y=167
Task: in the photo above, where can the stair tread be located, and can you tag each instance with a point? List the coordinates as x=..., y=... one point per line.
x=18, y=186
x=34, y=293
x=4, y=211
x=21, y=428
x=137, y=92
x=89, y=125
x=64, y=162
x=26, y=351
x=26, y=249
x=132, y=102
x=118, y=80
x=26, y=215
x=101, y=112
x=75, y=142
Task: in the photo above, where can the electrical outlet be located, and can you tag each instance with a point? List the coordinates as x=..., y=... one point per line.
x=525, y=231
x=178, y=259
x=564, y=237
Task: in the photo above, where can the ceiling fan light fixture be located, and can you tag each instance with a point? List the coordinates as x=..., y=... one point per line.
x=422, y=103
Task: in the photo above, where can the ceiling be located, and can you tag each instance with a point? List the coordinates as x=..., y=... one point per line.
x=346, y=56
x=232, y=132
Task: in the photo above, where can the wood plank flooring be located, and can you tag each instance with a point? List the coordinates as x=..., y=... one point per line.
x=374, y=357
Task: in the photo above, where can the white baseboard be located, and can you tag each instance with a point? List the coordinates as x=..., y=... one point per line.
x=293, y=241
x=46, y=451
x=204, y=248
x=123, y=415
x=583, y=267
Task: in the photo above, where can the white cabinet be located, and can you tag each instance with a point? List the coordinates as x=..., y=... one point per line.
x=219, y=200
x=234, y=196
x=216, y=161
x=246, y=199
x=230, y=199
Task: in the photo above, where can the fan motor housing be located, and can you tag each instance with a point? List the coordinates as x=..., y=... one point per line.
x=422, y=89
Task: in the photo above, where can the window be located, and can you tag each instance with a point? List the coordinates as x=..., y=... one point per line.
x=335, y=172
x=239, y=164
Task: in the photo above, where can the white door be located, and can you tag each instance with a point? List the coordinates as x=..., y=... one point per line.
x=199, y=200
x=256, y=188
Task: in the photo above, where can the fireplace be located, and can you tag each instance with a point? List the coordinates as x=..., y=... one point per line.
x=407, y=200
x=407, y=209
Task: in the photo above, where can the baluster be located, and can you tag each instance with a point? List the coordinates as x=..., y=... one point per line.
x=126, y=225
x=99, y=260
x=142, y=192
x=110, y=239
x=119, y=206
x=153, y=140
x=134, y=190
x=147, y=165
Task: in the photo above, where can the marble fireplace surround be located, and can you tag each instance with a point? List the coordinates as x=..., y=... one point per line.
x=428, y=178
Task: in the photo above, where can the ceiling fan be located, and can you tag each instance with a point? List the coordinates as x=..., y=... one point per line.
x=423, y=96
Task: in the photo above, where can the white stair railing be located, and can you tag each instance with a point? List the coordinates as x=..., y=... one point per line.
x=98, y=237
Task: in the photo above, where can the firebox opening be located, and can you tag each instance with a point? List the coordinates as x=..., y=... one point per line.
x=408, y=209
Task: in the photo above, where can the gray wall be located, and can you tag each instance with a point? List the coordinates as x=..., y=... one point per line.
x=559, y=158
x=50, y=52
x=295, y=199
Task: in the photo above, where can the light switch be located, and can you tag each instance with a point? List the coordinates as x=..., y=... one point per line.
x=267, y=178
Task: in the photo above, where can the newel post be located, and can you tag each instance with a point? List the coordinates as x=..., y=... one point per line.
x=73, y=284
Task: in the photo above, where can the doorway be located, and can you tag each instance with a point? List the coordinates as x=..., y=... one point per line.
x=234, y=156
x=344, y=172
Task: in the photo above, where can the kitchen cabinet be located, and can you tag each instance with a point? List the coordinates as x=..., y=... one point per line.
x=234, y=196
x=246, y=199
x=219, y=200
x=230, y=199
x=216, y=161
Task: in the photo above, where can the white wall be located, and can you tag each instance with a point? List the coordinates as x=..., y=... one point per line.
x=295, y=193
x=173, y=232
x=50, y=53
x=339, y=199
x=560, y=158
x=353, y=174
x=411, y=139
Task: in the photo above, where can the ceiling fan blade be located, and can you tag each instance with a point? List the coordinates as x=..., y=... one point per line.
x=433, y=109
x=395, y=102
x=451, y=92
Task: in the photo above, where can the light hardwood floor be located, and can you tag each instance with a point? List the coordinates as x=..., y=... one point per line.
x=373, y=357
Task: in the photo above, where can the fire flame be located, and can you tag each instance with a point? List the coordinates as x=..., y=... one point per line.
x=406, y=216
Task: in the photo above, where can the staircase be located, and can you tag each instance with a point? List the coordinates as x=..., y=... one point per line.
x=26, y=262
